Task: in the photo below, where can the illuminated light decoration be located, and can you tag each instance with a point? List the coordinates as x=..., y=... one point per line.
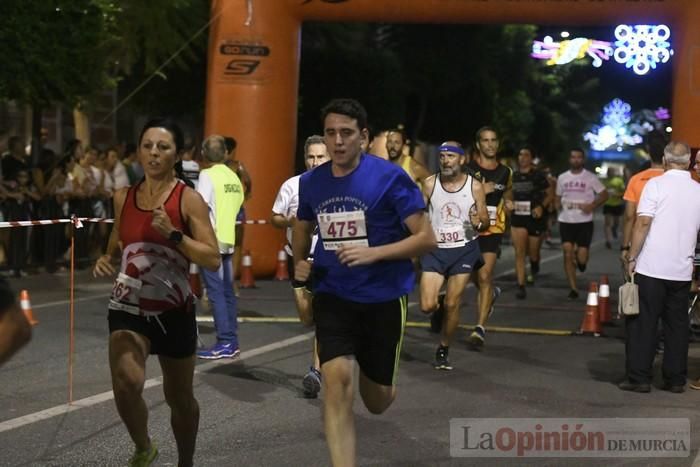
x=662, y=113
x=616, y=116
x=642, y=47
x=617, y=113
x=561, y=53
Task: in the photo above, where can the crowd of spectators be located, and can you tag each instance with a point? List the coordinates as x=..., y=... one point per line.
x=79, y=181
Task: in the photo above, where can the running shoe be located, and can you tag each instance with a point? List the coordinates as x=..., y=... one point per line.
x=477, y=338
x=573, y=294
x=521, y=293
x=144, y=458
x=219, y=350
x=441, y=360
x=437, y=316
x=312, y=383
x=494, y=296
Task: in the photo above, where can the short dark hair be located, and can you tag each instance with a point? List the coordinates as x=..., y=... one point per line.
x=313, y=139
x=398, y=132
x=656, y=142
x=578, y=149
x=348, y=107
x=477, y=136
x=530, y=148
x=230, y=143
x=170, y=125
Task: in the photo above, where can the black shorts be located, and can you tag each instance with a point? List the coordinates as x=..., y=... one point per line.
x=372, y=332
x=614, y=210
x=179, y=339
x=535, y=227
x=452, y=261
x=579, y=234
x=490, y=243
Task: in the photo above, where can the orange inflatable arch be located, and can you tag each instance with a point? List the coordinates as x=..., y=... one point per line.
x=253, y=70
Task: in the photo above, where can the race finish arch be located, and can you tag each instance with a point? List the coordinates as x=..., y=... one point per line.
x=253, y=70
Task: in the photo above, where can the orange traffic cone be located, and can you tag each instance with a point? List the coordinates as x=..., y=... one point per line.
x=27, y=307
x=247, y=279
x=603, y=301
x=591, y=322
x=282, y=274
x=195, y=281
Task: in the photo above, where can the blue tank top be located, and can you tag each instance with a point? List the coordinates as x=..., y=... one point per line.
x=366, y=207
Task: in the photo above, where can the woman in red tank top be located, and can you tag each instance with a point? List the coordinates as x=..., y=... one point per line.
x=161, y=226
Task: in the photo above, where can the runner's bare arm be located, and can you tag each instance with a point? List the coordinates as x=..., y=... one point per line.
x=480, y=201
x=420, y=171
x=421, y=240
x=15, y=331
x=280, y=221
x=302, y=232
x=202, y=248
x=427, y=187
x=103, y=266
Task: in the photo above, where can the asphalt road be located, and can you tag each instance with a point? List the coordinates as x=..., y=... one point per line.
x=252, y=409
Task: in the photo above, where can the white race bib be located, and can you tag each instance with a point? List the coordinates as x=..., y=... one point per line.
x=342, y=229
x=493, y=214
x=522, y=208
x=451, y=236
x=125, y=294
x=572, y=204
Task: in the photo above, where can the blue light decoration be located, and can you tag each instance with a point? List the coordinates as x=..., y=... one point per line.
x=642, y=47
x=614, y=131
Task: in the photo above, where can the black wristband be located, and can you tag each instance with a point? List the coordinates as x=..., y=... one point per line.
x=625, y=248
x=299, y=284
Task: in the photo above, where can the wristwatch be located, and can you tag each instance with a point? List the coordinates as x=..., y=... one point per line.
x=175, y=237
x=625, y=248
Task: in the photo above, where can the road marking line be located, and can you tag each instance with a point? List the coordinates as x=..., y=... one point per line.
x=157, y=381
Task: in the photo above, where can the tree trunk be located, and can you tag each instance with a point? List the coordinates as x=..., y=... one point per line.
x=82, y=126
x=36, y=135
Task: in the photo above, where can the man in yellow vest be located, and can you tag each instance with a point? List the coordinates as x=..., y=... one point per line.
x=223, y=192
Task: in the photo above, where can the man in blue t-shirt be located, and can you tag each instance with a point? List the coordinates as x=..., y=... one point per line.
x=371, y=221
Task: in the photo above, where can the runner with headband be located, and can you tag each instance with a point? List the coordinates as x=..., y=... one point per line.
x=457, y=211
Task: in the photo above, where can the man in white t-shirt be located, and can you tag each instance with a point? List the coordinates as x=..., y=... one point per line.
x=284, y=212
x=579, y=193
x=661, y=255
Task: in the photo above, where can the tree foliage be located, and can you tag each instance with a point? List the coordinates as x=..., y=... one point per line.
x=66, y=51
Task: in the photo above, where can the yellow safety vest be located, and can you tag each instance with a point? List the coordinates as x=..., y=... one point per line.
x=228, y=193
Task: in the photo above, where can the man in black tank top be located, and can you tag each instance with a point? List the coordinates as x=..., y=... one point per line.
x=498, y=186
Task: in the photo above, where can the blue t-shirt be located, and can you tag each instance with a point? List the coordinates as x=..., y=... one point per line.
x=387, y=196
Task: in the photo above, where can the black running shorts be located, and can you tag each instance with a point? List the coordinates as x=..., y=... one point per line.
x=579, y=234
x=372, y=332
x=177, y=338
x=490, y=243
x=535, y=227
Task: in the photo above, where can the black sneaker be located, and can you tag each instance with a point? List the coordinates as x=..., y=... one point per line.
x=634, y=387
x=441, y=360
x=477, y=338
x=437, y=317
x=521, y=293
x=573, y=294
